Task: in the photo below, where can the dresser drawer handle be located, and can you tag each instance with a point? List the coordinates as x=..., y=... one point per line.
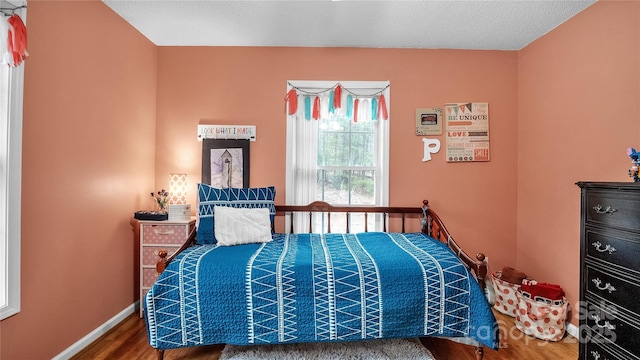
x=163, y=231
x=599, y=209
x=607, y=325
x=596, y=355
x=609, y=248
x=606, y=286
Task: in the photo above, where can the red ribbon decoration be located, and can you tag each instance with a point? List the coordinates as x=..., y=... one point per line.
x=316, y=108
x=17, y=40
x=382, y=108
x=292, y=99
x=356, y=103
x=337, y=97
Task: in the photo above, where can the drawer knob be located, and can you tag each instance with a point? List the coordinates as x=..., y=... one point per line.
x=600, y=210
x=598, y=246
x=606, y=286
x=606, y=325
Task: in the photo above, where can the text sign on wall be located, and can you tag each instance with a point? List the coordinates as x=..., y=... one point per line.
x=467, y=127
x=230, y=132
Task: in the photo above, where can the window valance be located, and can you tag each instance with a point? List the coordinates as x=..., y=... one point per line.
x=357, y=103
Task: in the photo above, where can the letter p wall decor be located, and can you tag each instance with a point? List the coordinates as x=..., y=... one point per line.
x=431, y=146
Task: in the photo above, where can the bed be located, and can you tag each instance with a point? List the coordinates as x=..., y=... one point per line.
x=320, y=286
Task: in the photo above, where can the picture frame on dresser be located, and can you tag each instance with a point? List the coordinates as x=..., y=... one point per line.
x=609, y=271
x=225, y=163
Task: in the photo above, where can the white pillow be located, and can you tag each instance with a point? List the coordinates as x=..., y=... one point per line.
x=235, y=226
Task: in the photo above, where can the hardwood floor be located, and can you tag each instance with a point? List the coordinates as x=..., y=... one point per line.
x=514, y=345
x=128, y=340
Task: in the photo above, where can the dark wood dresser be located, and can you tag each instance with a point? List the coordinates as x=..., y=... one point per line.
x=609, y=306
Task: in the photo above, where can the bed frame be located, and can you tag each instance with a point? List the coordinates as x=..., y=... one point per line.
x=431, y=224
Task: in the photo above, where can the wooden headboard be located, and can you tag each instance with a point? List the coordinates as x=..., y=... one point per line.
x=431, y=224
x=323, y=207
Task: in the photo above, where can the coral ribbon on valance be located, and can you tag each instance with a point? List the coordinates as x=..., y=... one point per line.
x=13, y=40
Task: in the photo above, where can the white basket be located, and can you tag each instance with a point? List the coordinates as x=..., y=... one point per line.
x=506, y=300
x=540, y=319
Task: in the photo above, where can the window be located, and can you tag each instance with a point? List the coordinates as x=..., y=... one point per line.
x=334, y=158
x=346, y=164
x=11, y=93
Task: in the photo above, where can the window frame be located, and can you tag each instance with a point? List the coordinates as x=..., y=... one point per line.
x=12, y=79
x=383, y=135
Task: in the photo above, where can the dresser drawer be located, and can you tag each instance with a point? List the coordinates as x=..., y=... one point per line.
x=614, y=289
x=164, y=234
x=598, y=349
x=620, y=209
x=611, y=327
x=150, y=254
x=618, y=248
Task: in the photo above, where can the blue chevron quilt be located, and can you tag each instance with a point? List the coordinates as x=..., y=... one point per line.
x=317, y=287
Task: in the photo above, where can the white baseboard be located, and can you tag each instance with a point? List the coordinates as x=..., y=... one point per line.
x=95, y=334
x=572, y=330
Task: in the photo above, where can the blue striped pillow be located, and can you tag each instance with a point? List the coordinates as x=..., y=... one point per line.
x=209, y=197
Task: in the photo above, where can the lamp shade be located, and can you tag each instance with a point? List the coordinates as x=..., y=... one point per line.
x=177, y=188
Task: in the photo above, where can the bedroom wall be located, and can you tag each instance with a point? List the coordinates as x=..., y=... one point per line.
x=578, y=112
x=236, y=85
x=88, y=161
x=90, y=132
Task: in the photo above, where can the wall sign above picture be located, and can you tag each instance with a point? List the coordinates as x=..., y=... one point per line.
x=429, y=121
x=467, y=126
x=227, y=132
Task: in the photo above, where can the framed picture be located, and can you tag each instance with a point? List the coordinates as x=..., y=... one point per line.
x=225, y=163
x=467, y=132
x=429, y=121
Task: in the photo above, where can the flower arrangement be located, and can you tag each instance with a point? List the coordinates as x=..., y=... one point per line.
x=635, y=160
x=162, y=200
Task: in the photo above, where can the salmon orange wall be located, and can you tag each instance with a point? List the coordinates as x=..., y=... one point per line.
x=578, y=112
x=88, y=161
x=239, y=85
x=92, y=120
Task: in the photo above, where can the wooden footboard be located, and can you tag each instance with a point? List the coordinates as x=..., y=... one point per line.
x=434, y=227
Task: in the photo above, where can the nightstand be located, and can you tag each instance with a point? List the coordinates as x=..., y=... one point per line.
x=156, y=236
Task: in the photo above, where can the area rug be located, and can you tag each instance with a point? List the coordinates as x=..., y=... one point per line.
x=386, y=349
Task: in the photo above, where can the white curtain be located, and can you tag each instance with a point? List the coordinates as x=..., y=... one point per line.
x=301, y=165
x=301, y=183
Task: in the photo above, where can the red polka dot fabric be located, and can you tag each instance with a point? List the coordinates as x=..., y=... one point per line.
x=540, y=319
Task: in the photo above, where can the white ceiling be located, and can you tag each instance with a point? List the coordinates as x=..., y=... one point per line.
x=429, y=24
